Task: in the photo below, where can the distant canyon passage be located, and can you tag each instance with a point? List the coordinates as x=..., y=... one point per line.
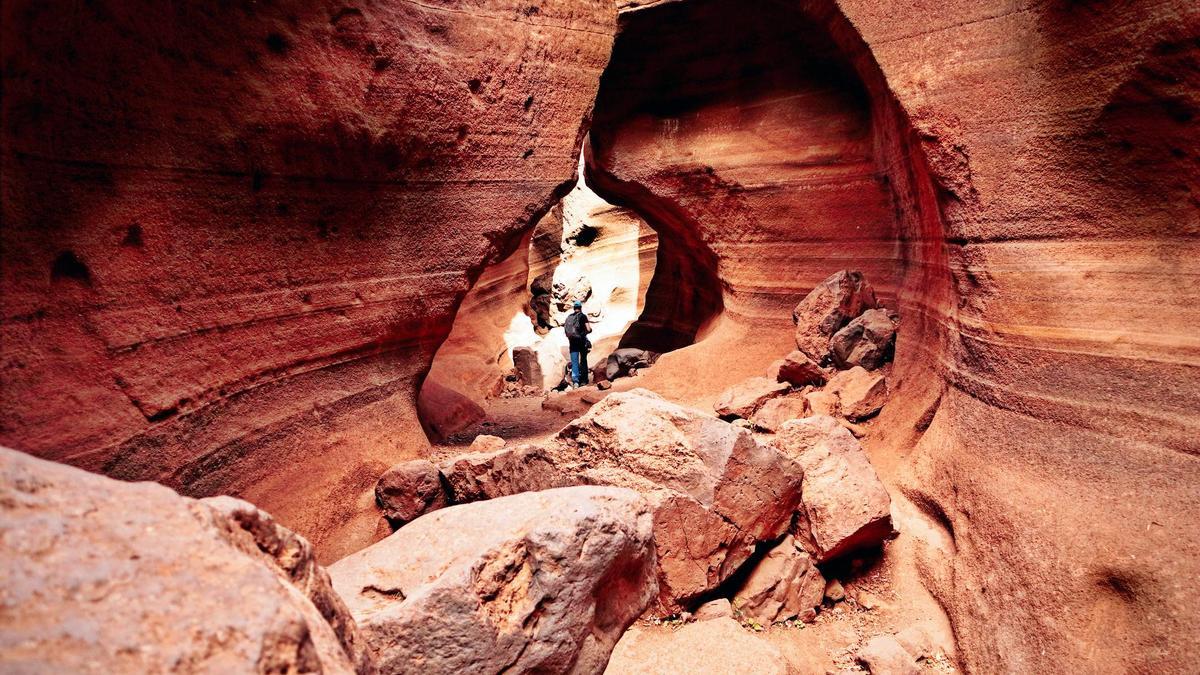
x=234, y=239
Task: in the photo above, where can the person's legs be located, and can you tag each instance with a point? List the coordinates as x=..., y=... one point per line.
x=583, y=368
x=574, y=367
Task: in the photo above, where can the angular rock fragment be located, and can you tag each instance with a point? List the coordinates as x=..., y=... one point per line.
x=867, y=341
x=834, y=302
x=486, y=443
x=744, y=398
x=797, y=369
x=715, y=647
x=846, y=506
x=525, y=361
x=776, y=411
x=715, y=490
x=884, y=655
x=409, y=490
x=860, y=393
x=783, y=585
x=720, y=608
x=112, y=577
x=486, y=475
x=822, y=402
x=537, y=582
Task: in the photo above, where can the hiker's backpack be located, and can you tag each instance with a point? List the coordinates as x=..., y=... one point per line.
x=574, y=326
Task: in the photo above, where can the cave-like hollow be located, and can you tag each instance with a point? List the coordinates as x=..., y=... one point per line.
x=762, y=165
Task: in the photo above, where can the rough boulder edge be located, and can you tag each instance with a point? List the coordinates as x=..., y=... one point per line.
x=537, y=582
x=147, y=580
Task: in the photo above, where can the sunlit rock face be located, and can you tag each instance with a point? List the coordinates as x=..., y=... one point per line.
x=1036, y=173
x=234, y=236
x=584, y=248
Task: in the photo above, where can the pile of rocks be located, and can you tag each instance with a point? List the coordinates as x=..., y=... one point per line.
x=842, y=335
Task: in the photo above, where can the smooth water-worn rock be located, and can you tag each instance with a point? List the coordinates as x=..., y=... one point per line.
x=537, y=582
x=846, y=506
x=102, y=576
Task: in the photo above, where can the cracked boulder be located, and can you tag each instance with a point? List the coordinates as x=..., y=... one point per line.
x=846, y=507
x=537, y=582
x=716, y=492
x=832, y=304
x=867, y=341
x=860, y=394
x=111, y=577
x=508, y=471
x=785, y=584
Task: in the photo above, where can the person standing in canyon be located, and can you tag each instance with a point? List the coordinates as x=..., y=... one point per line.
x=577, y=327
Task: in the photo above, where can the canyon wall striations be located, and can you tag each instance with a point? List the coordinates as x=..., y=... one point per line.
x=235, y=236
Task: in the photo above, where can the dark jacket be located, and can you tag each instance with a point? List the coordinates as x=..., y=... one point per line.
x=576, y=327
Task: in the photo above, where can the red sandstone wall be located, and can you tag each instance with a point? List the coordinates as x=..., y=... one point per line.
x=1041, y=161
x=235, y=234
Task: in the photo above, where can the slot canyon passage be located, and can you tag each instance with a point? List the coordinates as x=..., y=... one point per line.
x=901, y=298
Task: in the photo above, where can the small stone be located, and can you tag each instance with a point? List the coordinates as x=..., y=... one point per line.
x=868, y=600
x=604, y=385
x=834, y=592
x=883, y=655
x=715, y=609
x=486, y=443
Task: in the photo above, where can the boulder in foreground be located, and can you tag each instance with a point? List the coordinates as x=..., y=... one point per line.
x=846, y=506
x=111, y=577
x=537, y=582
x=716, y=491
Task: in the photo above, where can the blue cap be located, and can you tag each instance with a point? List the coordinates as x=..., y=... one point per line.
x=578, y=305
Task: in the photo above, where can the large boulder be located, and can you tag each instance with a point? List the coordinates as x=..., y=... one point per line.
x=867, y=341
x=846, y=507
x=745, y=398
x=716, y=492
x=783, y=585
x=834, y=302
x=860, y=393
x=715, y=647
x=537, y=582
x=409, y=490
x=508, y=471
x=110, y=577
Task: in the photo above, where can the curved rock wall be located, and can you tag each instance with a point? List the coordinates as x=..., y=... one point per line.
x=235, y=235
x=1039, y=172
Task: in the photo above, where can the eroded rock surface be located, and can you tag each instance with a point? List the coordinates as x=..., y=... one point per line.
x=109, y=577
x=785, y=584
x=846, y=506
x=409, y=490
x=538, y=582
x=508, y=471
x=716, y=647
x=716, y=491
x=745, y=398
